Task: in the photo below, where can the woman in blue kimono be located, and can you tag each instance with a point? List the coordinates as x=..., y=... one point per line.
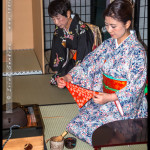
x=120, y=58
x=71, y=36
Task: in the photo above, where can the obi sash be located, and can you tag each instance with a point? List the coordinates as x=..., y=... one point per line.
x=146, y=88
x=112, y=85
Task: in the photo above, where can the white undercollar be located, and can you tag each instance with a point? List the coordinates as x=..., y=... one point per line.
x=72, y=16
x=117, y=45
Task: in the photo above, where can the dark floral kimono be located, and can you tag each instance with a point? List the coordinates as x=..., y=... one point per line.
x=77, y=42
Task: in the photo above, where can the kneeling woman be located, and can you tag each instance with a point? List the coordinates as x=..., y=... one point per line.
x=72, y=39
x=119, y=58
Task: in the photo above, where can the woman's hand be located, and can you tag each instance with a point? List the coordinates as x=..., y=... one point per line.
x=61, y=81
x=102, y=98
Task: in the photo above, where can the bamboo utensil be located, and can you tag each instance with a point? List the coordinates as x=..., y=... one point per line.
x=58, y=138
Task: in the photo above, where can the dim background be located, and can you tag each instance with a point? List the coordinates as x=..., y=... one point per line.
x=90, y=11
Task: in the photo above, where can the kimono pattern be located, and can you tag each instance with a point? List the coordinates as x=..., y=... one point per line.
x=127, y=61
x=79, y=38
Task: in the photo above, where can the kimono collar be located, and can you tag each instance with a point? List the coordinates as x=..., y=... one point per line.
x=132, y=37
x=75, y=21
x=72, y=16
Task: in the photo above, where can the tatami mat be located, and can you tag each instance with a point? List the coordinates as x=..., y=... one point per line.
x=36, y=89
x=56, y=118
x=24, y=62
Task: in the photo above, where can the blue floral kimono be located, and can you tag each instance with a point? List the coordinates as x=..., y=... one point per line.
x=125, y=61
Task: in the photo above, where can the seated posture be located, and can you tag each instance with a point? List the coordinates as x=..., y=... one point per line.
x=120, y=60
x=71, y=37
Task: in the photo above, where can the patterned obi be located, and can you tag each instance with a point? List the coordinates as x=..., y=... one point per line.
x=112, y=85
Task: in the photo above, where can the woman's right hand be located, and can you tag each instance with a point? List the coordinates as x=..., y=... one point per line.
x=61, y=81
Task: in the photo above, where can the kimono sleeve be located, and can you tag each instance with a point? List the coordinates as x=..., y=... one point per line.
x=58, y=53
x=83, y=74
x=84, y=43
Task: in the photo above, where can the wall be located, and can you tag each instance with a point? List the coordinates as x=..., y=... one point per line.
x=22, y=24
x=38, y=34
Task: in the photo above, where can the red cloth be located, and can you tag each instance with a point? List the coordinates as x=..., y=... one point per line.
x=115, y=85
x=80, y=95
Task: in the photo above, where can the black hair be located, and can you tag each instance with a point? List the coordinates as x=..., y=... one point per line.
x=59, y=7
x=120, y=10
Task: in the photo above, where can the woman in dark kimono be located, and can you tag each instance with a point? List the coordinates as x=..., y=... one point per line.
x=71, y=37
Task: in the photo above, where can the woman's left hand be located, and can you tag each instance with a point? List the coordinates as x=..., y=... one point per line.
x=102, y=98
